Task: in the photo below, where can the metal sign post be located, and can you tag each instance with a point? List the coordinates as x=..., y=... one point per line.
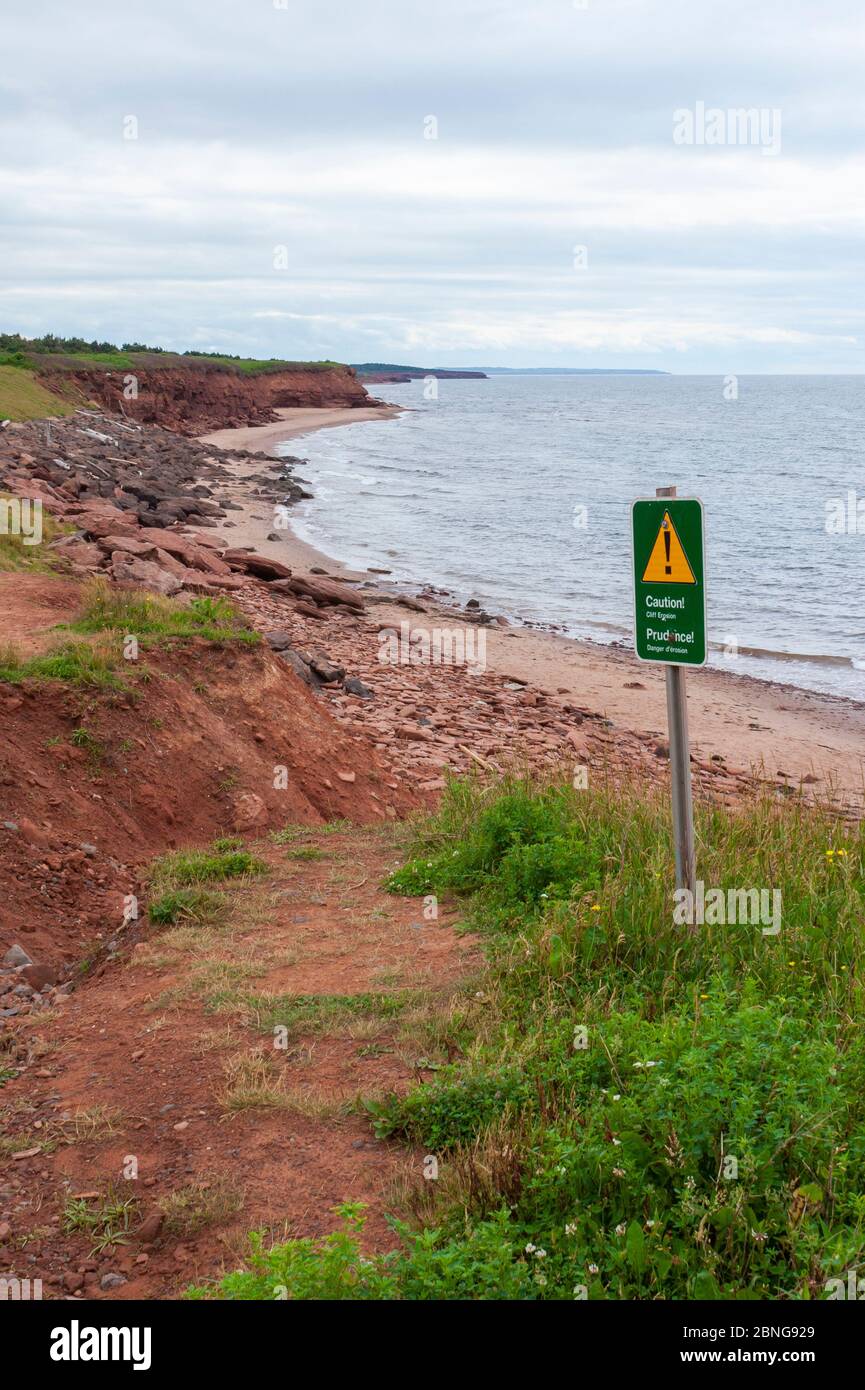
x=670, y=628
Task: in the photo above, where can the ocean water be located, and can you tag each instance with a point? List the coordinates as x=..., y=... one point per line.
x=516, y=491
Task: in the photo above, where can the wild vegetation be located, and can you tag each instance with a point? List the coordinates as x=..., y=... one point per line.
x=52, y=350
x=23, y=397
x=641, y=1109
x=90, y=650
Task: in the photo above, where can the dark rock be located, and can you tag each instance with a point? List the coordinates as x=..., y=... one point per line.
x=259, y=565
x=325, y=669
x=353, y=686
x=301, y=668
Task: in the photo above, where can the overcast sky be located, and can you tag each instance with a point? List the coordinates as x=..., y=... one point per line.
x=282, y=199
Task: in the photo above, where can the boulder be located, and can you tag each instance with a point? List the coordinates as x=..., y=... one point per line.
x=250, y=812
x=260, y=565
x=309, y=610
x=15, y=956
x=128, y=569
x=84, y=553
x=38, y=976
x=323, y=591
x=97, y=524
x=326, y=670
x=225, y=582
x=352, y=685
x=301, y=668
x=182, y=548
x=127, y=541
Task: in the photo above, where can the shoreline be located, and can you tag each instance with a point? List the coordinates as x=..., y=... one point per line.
x=294, y=422
x=782, y=733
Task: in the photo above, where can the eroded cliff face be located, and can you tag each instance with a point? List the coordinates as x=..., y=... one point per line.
x=195, y=400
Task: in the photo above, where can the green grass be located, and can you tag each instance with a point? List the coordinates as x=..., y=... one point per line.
x=193, y=1208
x=111, y=614
x=185, y=868
x=289, y=833
x=74, y=663
x=112, y=361
x=644, y=1110
x=23, y=397
x=15, y=555
x=107, y=1223
x=307, y=1014
x=156, y=621
x=190, y=906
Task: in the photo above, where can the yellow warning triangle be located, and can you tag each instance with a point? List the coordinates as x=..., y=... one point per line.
x=668, y=563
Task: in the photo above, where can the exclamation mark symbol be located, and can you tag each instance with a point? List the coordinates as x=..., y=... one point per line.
x=668, y=567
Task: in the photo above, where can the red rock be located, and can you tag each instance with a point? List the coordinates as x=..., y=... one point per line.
x=184, y=549
x=229, y=582
x=249, y=811
x=37, y=976
x=87, y=554
x=414, y=732
x=196, y=581
x=309, y=610
x=169, y=563
x=97, y=524
x=320, y=590
x=126, y=541
x=262, y=566
x=127, y=569
x=150, y=1227
x=34, y=834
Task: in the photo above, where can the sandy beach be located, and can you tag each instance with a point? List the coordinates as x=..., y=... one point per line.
x=780, y=733
x=295, y=421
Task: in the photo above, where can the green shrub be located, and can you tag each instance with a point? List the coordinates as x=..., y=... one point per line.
x=155, y=620
x=185, y=904
x=483, y=1266
x=186, y=867
x=520, y=851
x=646, y=1110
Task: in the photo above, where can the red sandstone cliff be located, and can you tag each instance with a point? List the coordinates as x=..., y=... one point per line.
x=196, y=399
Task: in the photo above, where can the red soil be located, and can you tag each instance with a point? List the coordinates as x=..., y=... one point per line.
x=196, y=400
x=189, y=754
x=139, y=1040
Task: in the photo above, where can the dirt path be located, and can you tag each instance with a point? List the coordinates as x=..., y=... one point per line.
x=31, y=607
x=168, y=1063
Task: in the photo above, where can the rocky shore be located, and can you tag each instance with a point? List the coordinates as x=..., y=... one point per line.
x=147, y=507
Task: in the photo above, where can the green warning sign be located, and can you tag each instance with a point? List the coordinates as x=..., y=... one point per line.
x=669, y=580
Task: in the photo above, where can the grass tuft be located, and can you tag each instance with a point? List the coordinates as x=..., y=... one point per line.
x=643, y=1108
x=157, y=621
